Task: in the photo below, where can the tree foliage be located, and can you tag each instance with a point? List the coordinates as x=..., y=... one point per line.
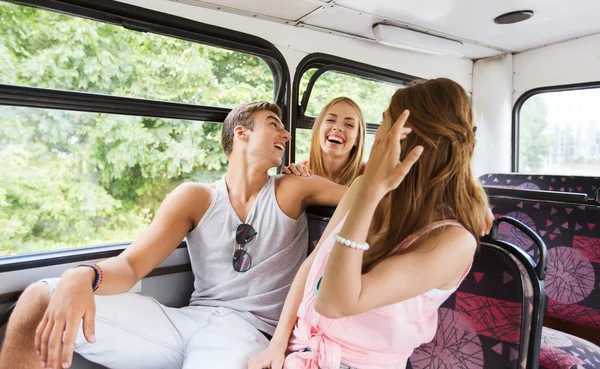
x=535, y=140
x=71, y=179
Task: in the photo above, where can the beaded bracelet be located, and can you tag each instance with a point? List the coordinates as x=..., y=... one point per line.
x=98, y=274
x=355, y=245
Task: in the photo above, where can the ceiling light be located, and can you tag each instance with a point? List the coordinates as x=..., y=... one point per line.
x=514, y=17
x=417, y=41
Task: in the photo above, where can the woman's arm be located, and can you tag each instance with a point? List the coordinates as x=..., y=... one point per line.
x=440, y=262
x=344, y=290
x=273, y=356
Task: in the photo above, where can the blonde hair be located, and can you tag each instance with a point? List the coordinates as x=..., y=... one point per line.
x=441, y=183
x=354, y=164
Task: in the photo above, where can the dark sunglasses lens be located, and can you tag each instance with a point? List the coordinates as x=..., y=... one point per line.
x=241, y=260
x=244, y=234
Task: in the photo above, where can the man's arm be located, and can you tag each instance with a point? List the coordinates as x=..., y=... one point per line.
x=294, y=194
x=173, y=220
x=316, y=190
x=324, y=192
x=73, y=298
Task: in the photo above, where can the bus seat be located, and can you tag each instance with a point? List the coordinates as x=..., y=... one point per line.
x=560, y=350
x=572, y=233
x=588, y=185
x=492, y=321
x=318, y=217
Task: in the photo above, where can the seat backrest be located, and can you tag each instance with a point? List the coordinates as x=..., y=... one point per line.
x=572, y=235
x=494, y=318
x=588, y=185
x=318, y=218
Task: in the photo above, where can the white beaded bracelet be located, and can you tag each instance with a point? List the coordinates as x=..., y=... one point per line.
x=355, y=245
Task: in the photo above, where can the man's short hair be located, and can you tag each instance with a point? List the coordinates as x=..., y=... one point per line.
x=243, y=115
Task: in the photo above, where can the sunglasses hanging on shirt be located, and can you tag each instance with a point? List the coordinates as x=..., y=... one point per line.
x=244, y=234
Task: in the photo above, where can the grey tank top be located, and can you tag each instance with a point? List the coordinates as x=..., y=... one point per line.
x=277, y=252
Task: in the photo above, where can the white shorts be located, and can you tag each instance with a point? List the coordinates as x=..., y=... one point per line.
x=135, y=331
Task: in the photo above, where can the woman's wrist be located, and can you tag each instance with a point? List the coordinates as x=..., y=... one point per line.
x=370, y=193
x=279, y=344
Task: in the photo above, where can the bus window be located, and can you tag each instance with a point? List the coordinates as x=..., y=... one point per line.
x=373, y=97
x=58, y=51
x=72, y=178
x=559, y=133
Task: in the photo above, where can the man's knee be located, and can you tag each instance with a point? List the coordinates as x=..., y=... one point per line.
x=31, y=307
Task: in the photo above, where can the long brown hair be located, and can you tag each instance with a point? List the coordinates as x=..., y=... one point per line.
x=440, y=185
x=355, y=161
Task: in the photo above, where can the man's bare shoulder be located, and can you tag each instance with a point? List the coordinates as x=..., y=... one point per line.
x=293, y=180
x=313, y=190
x=195, y=189
x=192, y=198
x=194, y=195
x=289, y=183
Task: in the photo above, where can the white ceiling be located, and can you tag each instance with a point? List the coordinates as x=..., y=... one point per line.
x=468, y=21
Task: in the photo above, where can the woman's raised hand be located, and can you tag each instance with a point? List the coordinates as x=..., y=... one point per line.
x=384, y=170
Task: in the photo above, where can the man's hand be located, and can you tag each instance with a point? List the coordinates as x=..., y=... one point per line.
x=72, y=301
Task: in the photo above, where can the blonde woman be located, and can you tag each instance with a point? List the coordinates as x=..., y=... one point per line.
x=337, y=144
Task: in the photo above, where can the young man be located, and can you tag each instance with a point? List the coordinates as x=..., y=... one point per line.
x=246, y=236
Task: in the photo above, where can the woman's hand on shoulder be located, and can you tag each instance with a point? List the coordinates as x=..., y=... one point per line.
x=297, y=169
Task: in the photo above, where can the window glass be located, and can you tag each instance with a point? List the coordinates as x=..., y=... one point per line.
x=303, y=137
x=40, y=48
x=373, y=97
x=72, y=179
x=559, y=133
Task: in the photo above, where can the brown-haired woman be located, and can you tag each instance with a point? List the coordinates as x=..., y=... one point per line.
x=420, y=208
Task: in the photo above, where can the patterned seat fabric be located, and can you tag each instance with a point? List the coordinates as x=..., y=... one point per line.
x=561, y=350
x=572, y=235
x=588, y=185
x=486, y=323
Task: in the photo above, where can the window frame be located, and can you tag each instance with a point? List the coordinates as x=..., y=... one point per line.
x=516, y=112
x=330, y=63
x=144, y=20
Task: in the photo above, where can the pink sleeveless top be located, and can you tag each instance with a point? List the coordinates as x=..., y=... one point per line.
x=384, y=337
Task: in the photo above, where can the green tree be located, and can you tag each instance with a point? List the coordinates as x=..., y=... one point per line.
x=536, y=142
x=372, y=96
x=71, y=179
x=76, y=179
